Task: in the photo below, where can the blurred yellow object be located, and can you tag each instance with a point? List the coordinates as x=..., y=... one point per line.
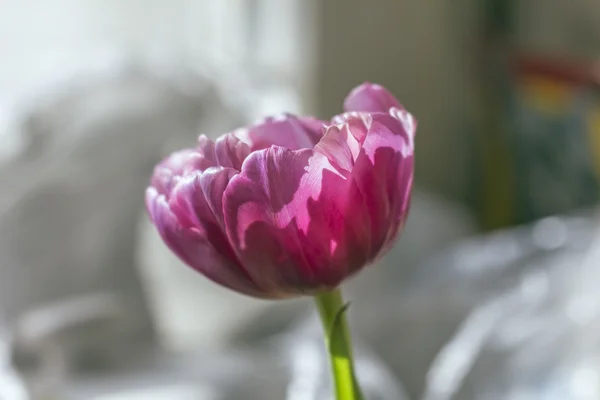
x=594, y=137
x=547, y=95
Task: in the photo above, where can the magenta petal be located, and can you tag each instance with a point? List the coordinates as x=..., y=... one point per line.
x=383, y=172
x=168, y=172
x=313, y=127
x=286, y=130
x=206, y=147
x=260, y=224
x=334, y=145
x=197, y=199
x=193, y=248
x=342, y=141
x=370, y=97
x=231, y=152
x=286, y=215
x=189, y=226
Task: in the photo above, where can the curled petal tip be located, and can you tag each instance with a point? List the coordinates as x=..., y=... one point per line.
x=370, y=97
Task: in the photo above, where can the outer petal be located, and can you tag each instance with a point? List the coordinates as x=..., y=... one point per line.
x=289, y=216
x=285, y=130
x=189, y=227
x=168, y=172
x=370, y=97
x=383, y=173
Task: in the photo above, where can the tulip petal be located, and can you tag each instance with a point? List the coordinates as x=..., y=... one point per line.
x=197, y=201
x=383, y=172
x=286, y=215
x=230, y=152
x=370, y=97
x=168, y=172
x=193, y=247
x=338, y=148
x=404, y=177
x=342, y=141
x=313, y=127
x=285, y=130
x=206, y=147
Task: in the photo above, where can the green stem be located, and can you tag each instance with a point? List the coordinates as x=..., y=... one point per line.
x=337, y=338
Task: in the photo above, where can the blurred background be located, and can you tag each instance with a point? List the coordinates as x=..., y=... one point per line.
x=490, y=293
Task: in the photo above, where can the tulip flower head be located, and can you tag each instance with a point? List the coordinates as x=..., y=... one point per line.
x=291, y=205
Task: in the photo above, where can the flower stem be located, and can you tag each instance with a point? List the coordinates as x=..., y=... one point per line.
x=339, y=347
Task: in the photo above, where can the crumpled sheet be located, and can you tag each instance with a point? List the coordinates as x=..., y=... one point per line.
x=527, y=312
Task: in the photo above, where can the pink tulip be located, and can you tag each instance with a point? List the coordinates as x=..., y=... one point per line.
x=290, y=206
